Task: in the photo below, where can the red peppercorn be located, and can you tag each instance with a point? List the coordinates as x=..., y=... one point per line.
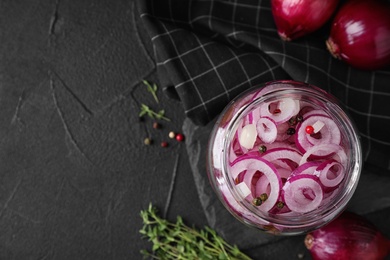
x=309, y=129
x=156, y=125
x=164, y=144
x=179, y=137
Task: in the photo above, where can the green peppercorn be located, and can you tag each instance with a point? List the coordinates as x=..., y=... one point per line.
x=147, y=141
x=262, y=149
x=263, y=197
x=280, y=205
x=292, y=121
x=257, y=201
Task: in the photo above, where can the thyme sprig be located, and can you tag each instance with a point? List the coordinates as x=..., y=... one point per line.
x=152, y=89
x=145, y=110
x=179, y=241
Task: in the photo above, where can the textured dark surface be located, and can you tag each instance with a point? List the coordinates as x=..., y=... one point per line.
x=74, y=172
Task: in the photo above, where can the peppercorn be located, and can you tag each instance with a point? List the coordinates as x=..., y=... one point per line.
x=156, y=125
x=147, y=141
x=292, y=121
x=280, y=205
x=179, y=137
x=164, y=144
x=309, y=129
x=257, y=201
x=299, y=118
x=262, y=149
x=263, y=197
x=172, y=135
x=290, y=131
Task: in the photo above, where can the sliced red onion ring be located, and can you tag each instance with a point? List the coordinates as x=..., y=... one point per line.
x=267, y=169
x=254, y=115
x=287, y=108
x=262, y=186
x=330, y=133
x=282, y=153
x=328, y=177
x=307, y=168
x=266, y=129
x=323, y=150
x=303, y=193
x=341, y=157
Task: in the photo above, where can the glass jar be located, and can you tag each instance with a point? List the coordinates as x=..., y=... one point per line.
x=284, y=157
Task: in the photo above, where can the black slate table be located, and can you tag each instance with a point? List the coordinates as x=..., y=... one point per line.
x=74, y=169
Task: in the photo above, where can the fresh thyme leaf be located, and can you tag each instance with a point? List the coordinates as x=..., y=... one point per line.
x=145, y=110
x=179, y=241
x=142, y=113
x=152, y=89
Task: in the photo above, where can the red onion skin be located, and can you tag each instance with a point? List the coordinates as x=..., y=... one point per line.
x=360, y=34
x=349, y=236
x=296, y=18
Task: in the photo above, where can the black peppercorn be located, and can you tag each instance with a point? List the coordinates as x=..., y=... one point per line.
x=290, y=131
x=262, y=149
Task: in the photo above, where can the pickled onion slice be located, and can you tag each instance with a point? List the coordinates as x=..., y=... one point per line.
x=280, y=111
x=331, y=173
x=265, y=167
x=329, y=133
x=266, y=129
x=307, y=168
x=325, y=150
x=282, y=153
x=303, y=193
x=262, y=186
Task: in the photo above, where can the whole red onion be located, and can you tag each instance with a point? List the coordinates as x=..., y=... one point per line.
x=349, y=236
x=360, y=34
x=295, y=18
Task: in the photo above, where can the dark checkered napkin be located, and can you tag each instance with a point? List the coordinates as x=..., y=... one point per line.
x=208, y=51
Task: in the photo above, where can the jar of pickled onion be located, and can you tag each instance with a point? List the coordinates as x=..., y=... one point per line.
x=284, y=157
